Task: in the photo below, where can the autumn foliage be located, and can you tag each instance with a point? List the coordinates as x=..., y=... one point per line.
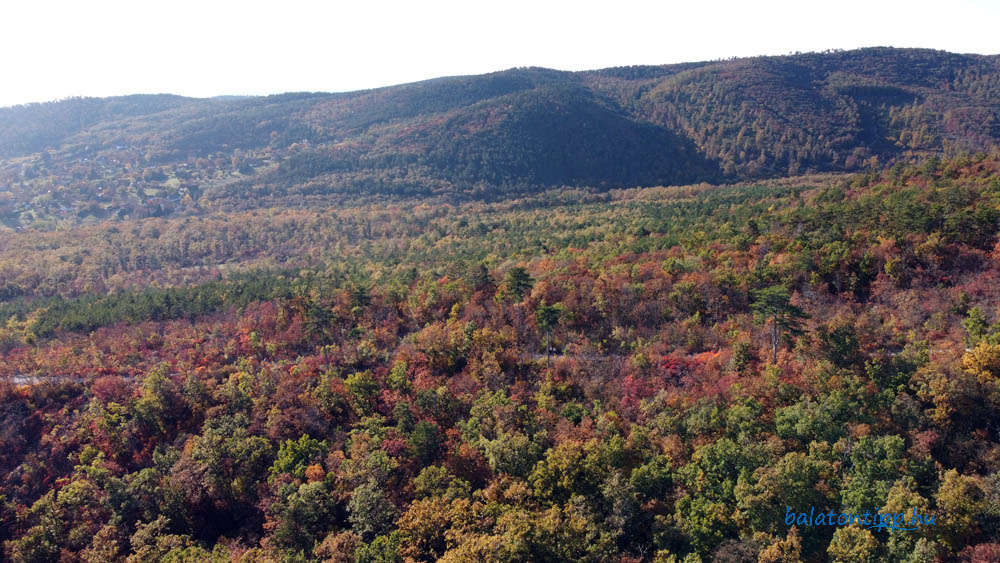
x=634, y=375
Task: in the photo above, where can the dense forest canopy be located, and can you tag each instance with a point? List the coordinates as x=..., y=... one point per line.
x=650, y=374
x=633, y=315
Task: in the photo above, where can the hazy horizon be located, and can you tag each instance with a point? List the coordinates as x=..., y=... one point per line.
x=112, y=47
x=281, y=92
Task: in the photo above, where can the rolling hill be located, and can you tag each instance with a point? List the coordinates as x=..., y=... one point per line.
x=515, y=131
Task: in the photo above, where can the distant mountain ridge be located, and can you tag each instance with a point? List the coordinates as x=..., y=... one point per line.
x=517, y=130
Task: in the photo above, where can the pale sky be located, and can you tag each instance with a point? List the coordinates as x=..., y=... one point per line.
x=56, y=49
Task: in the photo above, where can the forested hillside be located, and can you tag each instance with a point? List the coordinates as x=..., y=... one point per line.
x=629, y=315
x=493, y=136
x=628, y=375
